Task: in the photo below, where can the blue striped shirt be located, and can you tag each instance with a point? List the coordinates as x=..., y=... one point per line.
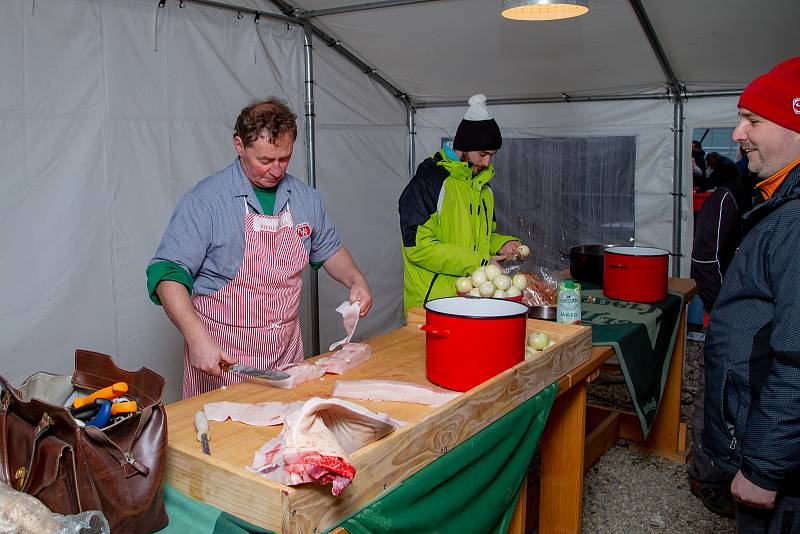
x=206, y=233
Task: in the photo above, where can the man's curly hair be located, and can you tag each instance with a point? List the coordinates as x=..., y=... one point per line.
x=270, y=119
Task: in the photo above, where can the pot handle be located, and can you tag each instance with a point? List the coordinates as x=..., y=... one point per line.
x=617, y=266
x=435, y=331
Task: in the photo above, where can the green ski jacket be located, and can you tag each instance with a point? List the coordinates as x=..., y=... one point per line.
x=448, y=227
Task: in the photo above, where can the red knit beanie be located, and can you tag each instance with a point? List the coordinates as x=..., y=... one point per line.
x=776, y=95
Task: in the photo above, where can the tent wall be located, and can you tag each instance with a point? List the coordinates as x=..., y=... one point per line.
x=101, y=135
x=362, y=159
x=651, y=121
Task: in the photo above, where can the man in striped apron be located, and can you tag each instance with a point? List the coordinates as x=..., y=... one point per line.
x=228, y=269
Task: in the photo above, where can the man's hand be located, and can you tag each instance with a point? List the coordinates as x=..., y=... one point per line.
x=747, y=493
x=509, y=250
x=343, y=269
x=206, y=354
x=360, y=293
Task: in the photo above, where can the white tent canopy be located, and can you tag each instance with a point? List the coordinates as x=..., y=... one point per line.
x=111, y=109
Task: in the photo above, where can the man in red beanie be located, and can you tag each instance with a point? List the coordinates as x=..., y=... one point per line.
x=752, y=349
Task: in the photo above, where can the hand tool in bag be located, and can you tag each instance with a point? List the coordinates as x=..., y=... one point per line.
x=252, y=371
x=103, y=414
x=108, y=393
x=201, y=424
x=117, y=408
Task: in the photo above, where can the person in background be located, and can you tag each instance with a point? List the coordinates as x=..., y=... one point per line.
x=717, y=234
x=699, y=158
x=228, y=269
x=447, y=218
x=722, y=170
x=752, y=348
x=742, y=162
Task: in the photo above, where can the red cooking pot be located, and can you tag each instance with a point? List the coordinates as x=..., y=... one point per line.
x=636, y=274
x=469, y=340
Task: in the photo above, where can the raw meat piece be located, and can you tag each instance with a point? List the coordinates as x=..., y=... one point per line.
x=260, y=414
x=350, y=314
x=391, y=390
x=351, y=355
x=315, y=442
x=300, y=372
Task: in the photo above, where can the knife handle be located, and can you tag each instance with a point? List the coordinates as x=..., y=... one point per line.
x=108, y=393
x=201, y=424
x=225, y=366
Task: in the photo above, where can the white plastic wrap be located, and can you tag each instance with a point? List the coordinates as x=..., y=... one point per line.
x=21, y=513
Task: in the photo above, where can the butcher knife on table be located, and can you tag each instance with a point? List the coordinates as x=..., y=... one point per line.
x=252, y=371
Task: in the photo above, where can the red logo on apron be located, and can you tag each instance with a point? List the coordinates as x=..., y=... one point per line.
x=303, y=230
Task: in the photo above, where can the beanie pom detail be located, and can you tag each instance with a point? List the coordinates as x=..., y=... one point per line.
x=477, y=99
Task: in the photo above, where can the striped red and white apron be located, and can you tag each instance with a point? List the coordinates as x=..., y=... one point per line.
x=255, y=317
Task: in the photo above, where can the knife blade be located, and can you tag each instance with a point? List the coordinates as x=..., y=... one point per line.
x=201, y=425
x=252, y=371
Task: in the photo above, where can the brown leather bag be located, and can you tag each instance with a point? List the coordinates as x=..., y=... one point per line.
x=118, y=470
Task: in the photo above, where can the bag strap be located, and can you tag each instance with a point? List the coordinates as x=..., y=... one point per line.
x=130, y=465
x=23, y=482
x=5, y=475
x=8, y=396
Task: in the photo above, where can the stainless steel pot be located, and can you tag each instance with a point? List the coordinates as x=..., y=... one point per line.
x=586, y=263
x=546, y=313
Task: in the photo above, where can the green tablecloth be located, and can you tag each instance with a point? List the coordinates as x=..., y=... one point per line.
x=472, y=488
x=643, y=336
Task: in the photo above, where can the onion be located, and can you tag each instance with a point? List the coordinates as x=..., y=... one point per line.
x=523, y=251
x=519, y=281
x=538, y=340
x=502, y=281
x=492, y=271
x=513, y=292
x=486, y=288
x=477, y=278
x=499, y=294
x=463, y=285
x=530, y=352
x=474, y=292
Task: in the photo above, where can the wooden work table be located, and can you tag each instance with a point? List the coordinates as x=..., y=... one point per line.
x=576, y=436
x=221, y=480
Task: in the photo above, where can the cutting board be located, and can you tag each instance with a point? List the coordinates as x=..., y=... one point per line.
x=221, y=479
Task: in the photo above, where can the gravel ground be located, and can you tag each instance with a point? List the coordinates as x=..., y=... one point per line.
x=628, y=491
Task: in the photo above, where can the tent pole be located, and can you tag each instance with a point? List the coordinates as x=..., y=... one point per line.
x=412, y=132
x=677, y=186
x=360, y=7
x=311, y=169
x=569, y=99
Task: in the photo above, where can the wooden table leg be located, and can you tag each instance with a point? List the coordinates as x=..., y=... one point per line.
x=666, y=435
x=561, y=494
x=517, y=525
